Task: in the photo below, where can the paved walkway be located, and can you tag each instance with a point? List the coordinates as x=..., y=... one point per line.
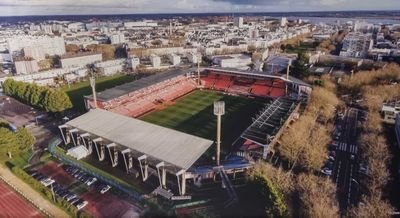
x=31, y=194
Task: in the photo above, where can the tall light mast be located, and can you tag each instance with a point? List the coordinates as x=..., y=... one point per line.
x=93, y=85
x=219, y=110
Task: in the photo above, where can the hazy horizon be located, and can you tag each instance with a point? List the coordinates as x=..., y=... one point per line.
x=106, y=7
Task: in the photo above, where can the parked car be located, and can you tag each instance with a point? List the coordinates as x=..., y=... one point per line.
x=91, y=181
x=47, y=181
x=363, y=169
x=82, y=205
x=70, y=197
x=105, y=189
x=328, y=168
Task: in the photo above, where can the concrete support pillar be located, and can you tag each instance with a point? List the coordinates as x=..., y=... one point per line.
x=144, y=167
x=112, y=151
x=64, y=137
x=162, y=174
x=127, y=159
x=99, y=148
x=87, y=142
x=181, y=182
x=71, y=133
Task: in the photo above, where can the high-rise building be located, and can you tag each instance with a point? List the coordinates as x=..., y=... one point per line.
x=117, y=38
x=238, y=21
x=35, y=52
x=284, y=21
x=49, y=45
x=26, y=66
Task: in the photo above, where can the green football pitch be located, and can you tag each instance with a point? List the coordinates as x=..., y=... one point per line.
x=193, y=114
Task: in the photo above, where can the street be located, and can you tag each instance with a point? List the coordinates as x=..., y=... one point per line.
x=346, y=170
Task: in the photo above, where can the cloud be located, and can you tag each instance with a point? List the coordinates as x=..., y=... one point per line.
x=49, y=7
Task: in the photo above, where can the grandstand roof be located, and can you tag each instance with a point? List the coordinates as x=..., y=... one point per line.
x=173, y=147
x=268, y=123
x=127, y=88
x=259, y=74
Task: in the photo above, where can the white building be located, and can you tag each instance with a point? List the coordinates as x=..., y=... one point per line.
x=117, y=38
x=389, y=112
x=80, y=60
x=146, y=23
x=356, y=45
x=284, y=21
x=111, y=67
x=26, y=66
x=35, y=52
x=49, y=45
x=232, y=61
x=76, y=26
x=238, y=21
x=134, y=61
x=174, y=59
x=155, y=60
x=193, y=57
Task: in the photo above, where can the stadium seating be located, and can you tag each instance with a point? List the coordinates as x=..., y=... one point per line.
x=147, y=99
x=244, y=86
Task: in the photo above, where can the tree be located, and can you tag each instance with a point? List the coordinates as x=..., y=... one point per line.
x=372, y=206
x=300, y=68
x=72, y=48
x=269, y=201
x=25, y=139
x=107, y=51
x=318, y=196
x=56, y=101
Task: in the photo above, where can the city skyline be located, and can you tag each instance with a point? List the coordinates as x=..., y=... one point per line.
x=62, y=7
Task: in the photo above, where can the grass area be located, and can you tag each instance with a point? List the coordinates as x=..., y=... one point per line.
x=193, y=114
x=78, y=90
x=21, y=159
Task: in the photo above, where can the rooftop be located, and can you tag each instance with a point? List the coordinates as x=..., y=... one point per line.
x=82, y=54
x=179, y=149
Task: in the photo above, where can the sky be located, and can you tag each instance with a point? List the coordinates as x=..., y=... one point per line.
x=75, y=7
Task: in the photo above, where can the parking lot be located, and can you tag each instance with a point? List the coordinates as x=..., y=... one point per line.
x=82, y=190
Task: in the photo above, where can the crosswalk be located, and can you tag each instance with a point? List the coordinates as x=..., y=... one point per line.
x=349, y=148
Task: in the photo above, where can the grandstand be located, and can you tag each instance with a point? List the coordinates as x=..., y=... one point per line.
x=157, y=91
x=249, y=83
x=261, y=134
x=141, y=144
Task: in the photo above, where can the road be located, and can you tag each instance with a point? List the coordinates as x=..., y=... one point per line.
x=345, y=174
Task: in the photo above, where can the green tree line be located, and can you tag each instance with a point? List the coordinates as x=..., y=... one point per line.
x=14, y=143
x=51, y=100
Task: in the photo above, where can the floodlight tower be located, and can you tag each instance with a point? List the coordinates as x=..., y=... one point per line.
x=287, y=74
x=93, y=84
x=219, y=110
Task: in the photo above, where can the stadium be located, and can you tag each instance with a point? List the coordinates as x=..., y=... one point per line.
x=163, y=127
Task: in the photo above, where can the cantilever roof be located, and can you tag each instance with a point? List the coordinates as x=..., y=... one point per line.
x=174, y=147
x=259, y=74
x=127, y=88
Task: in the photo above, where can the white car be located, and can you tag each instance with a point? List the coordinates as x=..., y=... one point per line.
x=46, y=182
x=105, y=189
x=81, y=205
x=326, y=171
x=91, y=181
